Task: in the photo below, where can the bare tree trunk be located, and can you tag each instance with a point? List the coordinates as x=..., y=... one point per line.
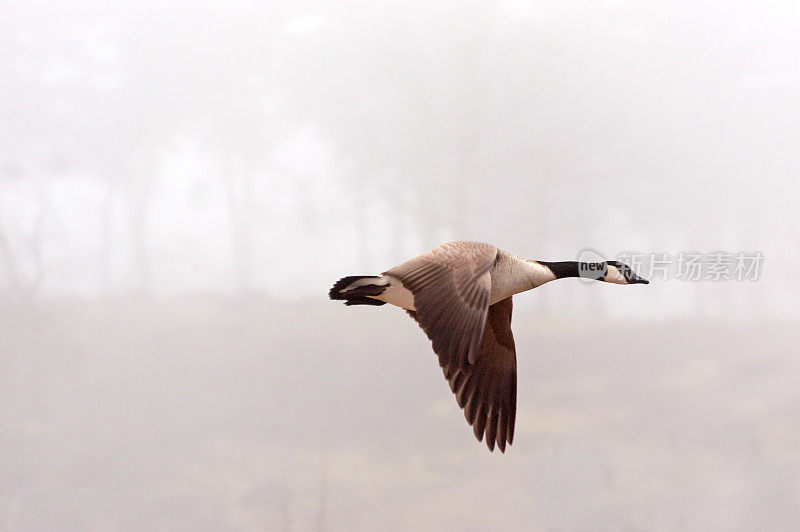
x=138, y=185
x=231, y=196
x=106, y=233
x=7, y=259
x=140, y=205
x=461, y=203
x=397, y=218
x=24, y=288
x=466, y=168
x=361, y=220
x=36, y=245
x=239, y=180
x=542, y=201
x=246, y=229
x=428, y=217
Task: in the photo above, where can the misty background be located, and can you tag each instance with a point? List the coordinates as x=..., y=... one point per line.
x=180, y=185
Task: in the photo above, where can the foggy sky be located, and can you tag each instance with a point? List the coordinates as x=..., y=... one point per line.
x=275, y=147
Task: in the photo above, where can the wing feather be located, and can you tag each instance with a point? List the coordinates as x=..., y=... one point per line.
x=487, y=389
x=451, y=285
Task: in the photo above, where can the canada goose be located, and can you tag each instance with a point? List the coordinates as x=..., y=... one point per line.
x=460, y=295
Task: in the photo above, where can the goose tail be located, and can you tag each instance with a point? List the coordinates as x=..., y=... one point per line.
x=359, y=289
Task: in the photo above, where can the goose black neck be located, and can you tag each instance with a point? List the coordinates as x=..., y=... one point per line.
x=571, y=268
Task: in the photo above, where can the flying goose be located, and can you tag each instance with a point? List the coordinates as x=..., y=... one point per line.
x=460, y=295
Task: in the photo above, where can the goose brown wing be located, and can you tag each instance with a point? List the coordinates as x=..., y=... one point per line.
x=487, y=389
x=451, y=286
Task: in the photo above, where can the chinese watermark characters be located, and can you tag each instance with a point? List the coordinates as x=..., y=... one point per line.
x=716, y=266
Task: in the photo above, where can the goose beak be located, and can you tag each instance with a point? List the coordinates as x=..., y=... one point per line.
x=639, y=280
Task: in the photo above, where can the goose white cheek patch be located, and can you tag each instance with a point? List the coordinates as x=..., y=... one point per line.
x=614, y=276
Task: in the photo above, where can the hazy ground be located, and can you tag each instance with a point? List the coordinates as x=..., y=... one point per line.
x=205, y=413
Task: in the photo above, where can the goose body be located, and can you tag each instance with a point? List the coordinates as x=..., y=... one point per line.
x=460, y=294
x=509, y=275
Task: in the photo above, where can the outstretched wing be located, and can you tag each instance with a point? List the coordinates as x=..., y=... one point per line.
x=487, y=389
x=451, y=286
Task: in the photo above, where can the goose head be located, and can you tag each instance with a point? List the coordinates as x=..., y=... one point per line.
x=621, y=273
